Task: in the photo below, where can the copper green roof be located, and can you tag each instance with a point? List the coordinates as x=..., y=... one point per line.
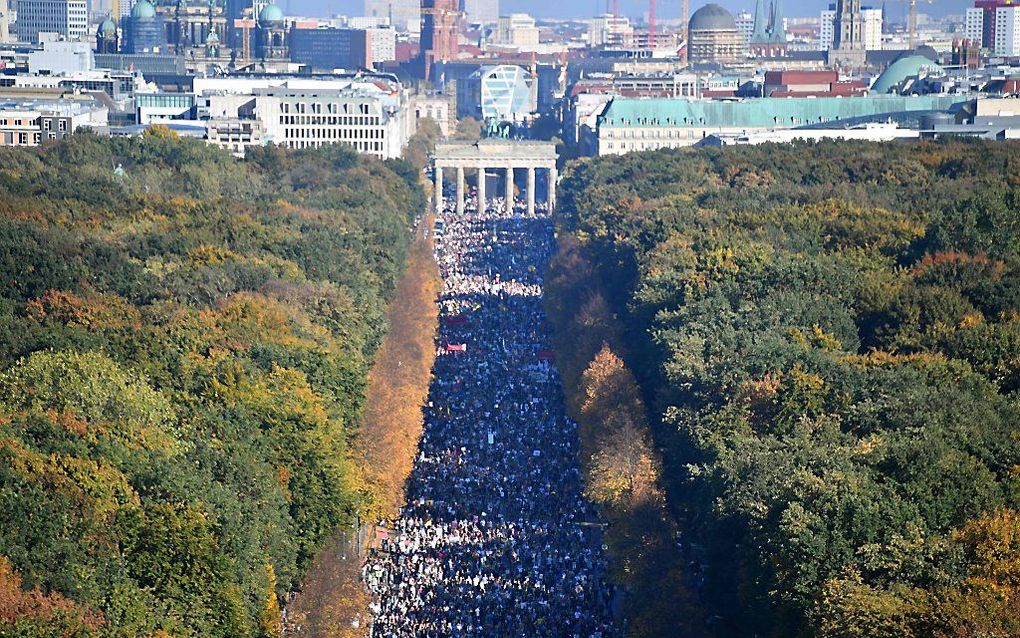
x=143, y=9
x=764, y=112
x=905, y=67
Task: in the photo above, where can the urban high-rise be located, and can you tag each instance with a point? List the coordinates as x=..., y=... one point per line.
x=1007, y=31
x=69, y=18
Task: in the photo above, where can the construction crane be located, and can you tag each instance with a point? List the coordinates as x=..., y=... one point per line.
x=912, y=21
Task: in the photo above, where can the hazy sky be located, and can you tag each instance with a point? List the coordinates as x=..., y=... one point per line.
x=664, y=9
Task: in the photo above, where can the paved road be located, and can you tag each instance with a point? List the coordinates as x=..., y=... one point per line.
x=491, y=542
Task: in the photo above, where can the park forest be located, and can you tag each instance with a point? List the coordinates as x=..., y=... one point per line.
x=185, y=340
x=827, y=340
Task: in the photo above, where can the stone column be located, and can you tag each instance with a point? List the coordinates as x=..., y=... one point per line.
x=481, y=189
x=531, y=190
x=509, y=190
x=460, y=190
x=551, y=198
x=438, y=192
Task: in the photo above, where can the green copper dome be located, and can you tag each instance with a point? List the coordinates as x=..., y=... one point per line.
x=270, y=13
x=906, y=67
x=143, y=9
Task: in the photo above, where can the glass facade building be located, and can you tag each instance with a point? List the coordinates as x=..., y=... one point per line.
x=500, y=92
x=331, y=48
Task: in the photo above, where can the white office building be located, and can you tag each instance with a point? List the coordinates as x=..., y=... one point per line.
x=67, y=18
x=609, y=30
x=1007, y=31
x=304, y=119
x=974, y=25
x=745, y=24
x=61, y=57
x=383, y=42
x=362, y=22
x=516, y=29
x=872, y=28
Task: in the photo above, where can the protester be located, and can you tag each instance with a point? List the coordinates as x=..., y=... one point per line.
x=496, y=539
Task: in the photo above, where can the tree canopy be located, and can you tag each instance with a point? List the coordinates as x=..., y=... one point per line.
x=184, y=345
x=829, y=335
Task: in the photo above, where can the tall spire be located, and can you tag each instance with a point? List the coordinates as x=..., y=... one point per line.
x=761, y=23
x=777, y=32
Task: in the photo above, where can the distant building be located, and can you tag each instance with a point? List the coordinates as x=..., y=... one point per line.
x=67, y=18
x=438, y=108
x=151, y=107
x=148, y=64
x=645, y=124
x=118, y=85
x=503, y=93
x=745, y=24
x=810, y=84
x=143, y=30
x=271, y=34
x=30, y=123
x=768, y=39
x=234, y=134
x=61, y=58
x=713, y=37
x=908, y=68
x=383, y=44
x=480, y=11
x=1007, y=31
x=516, y=29
x=190, y=27
x=439, y=34
x=872, y=19
x=367, y=22
x=974, y=25
x=989, y=9
x=331, y=48
x=299, y=118
x=404, y=15
x=106, y=37
x=849, y=47
x=5, y=22
x=609, y=30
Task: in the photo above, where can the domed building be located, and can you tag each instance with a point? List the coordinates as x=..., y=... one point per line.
x=189, y=23
x=905, y=68
x=106, y=37
x=713, y=37
x=143, y=30
x=271, y=34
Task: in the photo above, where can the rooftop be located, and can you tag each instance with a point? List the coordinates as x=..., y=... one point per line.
x=765, y=112
x=490, y=149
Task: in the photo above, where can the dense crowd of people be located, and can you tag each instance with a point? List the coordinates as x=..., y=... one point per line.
x=496, y=539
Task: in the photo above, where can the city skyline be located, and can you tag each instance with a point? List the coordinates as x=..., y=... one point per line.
x=632, y=8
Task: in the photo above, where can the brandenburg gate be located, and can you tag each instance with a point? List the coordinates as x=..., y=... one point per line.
x=495, y=154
